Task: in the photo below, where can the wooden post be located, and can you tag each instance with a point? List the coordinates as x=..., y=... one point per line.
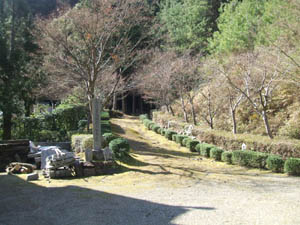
x=97, y=124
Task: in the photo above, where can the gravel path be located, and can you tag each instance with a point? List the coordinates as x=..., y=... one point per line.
x=162, y=184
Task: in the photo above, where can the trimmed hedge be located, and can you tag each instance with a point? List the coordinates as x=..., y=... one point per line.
x=120, y=147
x=143, y=117
x=216, y=153
x=179, y=139
x=169, y=134
x=226, y=157
x=163, y=132
x=185, y=140
x=204, y=149
x=88, y=143
x=292, y=166
x=108, y=137
x=249, y=159
x=275, y=163
x=191, y=144
x=174, y=137
x=155, y=128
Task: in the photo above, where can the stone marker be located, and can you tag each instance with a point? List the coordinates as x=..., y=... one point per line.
x=88, y=155
x=32, y=176
x=97, y=124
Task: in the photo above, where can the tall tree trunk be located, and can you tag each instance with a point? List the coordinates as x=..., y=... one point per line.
x=193, y=111
x=133, y=103
x=266, y=123
x=12, y=31
x=184, y=110
x=172, y=111
x=233, y=121
x=115, y=102
x=123, y=104
x=7, y=125
x=211, y=122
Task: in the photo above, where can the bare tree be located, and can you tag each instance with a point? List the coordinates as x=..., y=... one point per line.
x=259, y=80
x=87, y=43
x=156, y=80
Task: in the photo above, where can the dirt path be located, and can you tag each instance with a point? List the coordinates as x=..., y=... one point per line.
x=162, y=184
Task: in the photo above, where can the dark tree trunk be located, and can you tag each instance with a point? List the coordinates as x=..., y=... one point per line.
x=133, y=103
x=123, y=104
x=184, y=110
x=266, y=123
x=7, y=125
x=172, y=111
x=233, y=121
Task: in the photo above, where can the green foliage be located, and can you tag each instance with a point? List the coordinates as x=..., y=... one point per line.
x=216, y=153
x=82, y=124
x=204, y=149
x=143, y=117
x=179, y=139
x=292, y=166
x=238, y=26
x=120, y=147
x=186, y=23
x=191, y=144
x=169, y=134
x=185, y=140
x=226, y=157
x=105, y=126
x=163, y=132
x=88, y=142
x=174, y=137
x=68, y=116
x=105, y=115
x=155, y=128
x=249, y=159
x=275, y=163
x=108, y=137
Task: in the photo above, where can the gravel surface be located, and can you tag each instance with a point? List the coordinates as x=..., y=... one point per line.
x=164, y=184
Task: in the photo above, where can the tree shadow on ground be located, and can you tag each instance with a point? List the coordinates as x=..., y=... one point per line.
x=27, y=203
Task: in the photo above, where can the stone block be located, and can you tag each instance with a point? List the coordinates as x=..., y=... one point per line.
x=32, y=176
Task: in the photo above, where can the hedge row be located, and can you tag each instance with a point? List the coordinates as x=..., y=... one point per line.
x=245, y=158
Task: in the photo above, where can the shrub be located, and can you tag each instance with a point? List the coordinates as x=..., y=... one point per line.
x=77, y=140
x=185, y=140
x=104, y=115
x=143, y=117
x=163, y=132
x=108, y=137
x=204, y=149
x=174, y=137
x=179, y=139
x=169, y=134
x=155, y=128
x=191, y=144
x=159, y=130
x=275, y=163
x=292, y=166
x=48, y=135
x=216, y=153
x=249, y=159
x=82, y=124
x=105, y=126
x=120, y=147
x=88, y=143
x=226, y=157
x=146, y=122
